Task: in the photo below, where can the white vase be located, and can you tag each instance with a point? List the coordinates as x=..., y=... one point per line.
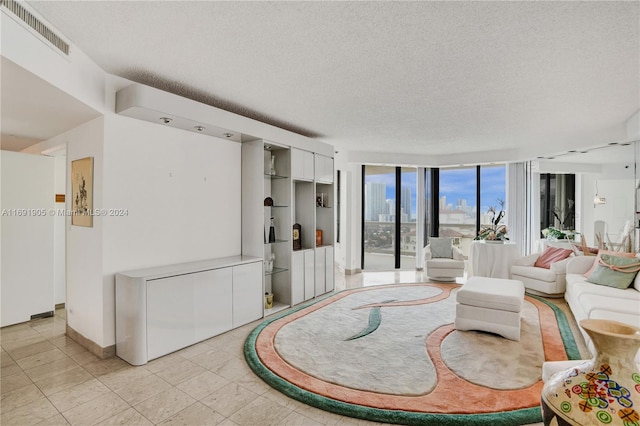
x=602, y=391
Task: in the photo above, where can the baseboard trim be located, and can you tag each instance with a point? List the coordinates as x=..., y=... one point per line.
x=352, y=271
x=90, y=345
x=59, y=305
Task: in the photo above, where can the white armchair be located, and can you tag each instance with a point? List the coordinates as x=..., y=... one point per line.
x=541, y=281
x=443, y=268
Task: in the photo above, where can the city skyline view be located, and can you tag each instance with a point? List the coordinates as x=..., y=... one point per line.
x=457, y=187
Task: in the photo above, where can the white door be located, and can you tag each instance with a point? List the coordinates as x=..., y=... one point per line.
x=309, y=274
x=212, y=303
x=167, y=333
x=320, y=271
x=297, y=277
x=248, y=296
x=329, y=283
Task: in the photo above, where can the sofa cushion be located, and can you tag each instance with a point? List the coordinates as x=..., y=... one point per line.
x=601, y=252
x=551, y=255
x=579, y=264
x=614, y=271
x=581, y=287
x=575, y=278
x=441, y=248
x=533, y=272
x=592, y=303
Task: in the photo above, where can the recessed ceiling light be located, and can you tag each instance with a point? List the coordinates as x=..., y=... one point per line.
x=613, y=143
x=166, y=120
x=228, y=135
x=583, y=152
x=573, y=150
x=625, y=144
x=199, y=128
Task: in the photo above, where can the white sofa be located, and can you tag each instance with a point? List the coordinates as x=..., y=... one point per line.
x=588, y=300
x=540, y=281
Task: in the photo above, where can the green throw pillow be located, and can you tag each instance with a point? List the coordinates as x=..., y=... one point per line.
x=619, y=273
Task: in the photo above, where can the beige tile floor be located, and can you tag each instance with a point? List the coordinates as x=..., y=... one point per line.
x=48, y=379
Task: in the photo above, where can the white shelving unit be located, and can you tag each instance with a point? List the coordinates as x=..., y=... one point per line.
x=258, y=183
x=297, y=275
x=325, y=221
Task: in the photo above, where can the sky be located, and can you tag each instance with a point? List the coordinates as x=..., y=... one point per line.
x=454, y=184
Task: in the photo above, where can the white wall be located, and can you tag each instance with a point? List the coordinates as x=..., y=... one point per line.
x=27, y=241
x=84, y=301
x=59, y=238
x=348, y=251
x=181, y=192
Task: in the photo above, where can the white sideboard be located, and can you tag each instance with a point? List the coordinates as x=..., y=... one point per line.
x=161, y=310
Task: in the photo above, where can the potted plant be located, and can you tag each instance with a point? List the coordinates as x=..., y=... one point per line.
x=563, y=215
x=496, y=231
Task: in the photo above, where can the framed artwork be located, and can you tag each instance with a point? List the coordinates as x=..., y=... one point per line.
x=82, y=192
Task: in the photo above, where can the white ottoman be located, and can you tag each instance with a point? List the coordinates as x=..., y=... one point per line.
x=490, y=304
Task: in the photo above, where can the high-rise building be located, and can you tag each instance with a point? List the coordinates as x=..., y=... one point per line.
x=405, y=201
x=391, y=206
x=443, y=202
x=375, y=200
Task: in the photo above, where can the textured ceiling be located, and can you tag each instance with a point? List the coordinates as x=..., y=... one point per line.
x=402, y=77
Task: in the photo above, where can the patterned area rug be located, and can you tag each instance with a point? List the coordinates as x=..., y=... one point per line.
x=391, y=354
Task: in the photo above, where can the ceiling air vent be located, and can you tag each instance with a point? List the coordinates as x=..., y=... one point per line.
x=35, y=23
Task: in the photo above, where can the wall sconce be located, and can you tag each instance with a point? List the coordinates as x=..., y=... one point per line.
x=596, y=199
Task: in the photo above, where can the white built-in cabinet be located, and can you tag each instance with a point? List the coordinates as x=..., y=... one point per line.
x=302, y=276
x=296, y=191
x=323, y=171
x=302, y=164
x=324, y=279
x=161, y=310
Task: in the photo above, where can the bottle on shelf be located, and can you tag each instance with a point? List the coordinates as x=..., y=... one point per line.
x=297, y=236
x=272, y=230
x=272, y=262
x=272, y=167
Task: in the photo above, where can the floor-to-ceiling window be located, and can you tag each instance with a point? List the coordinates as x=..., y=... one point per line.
x=457, y=208
x=408, y=197
x=389, y=213
x=379, y=211
x=455, y=202
x=493, y=192
x=430, y=180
